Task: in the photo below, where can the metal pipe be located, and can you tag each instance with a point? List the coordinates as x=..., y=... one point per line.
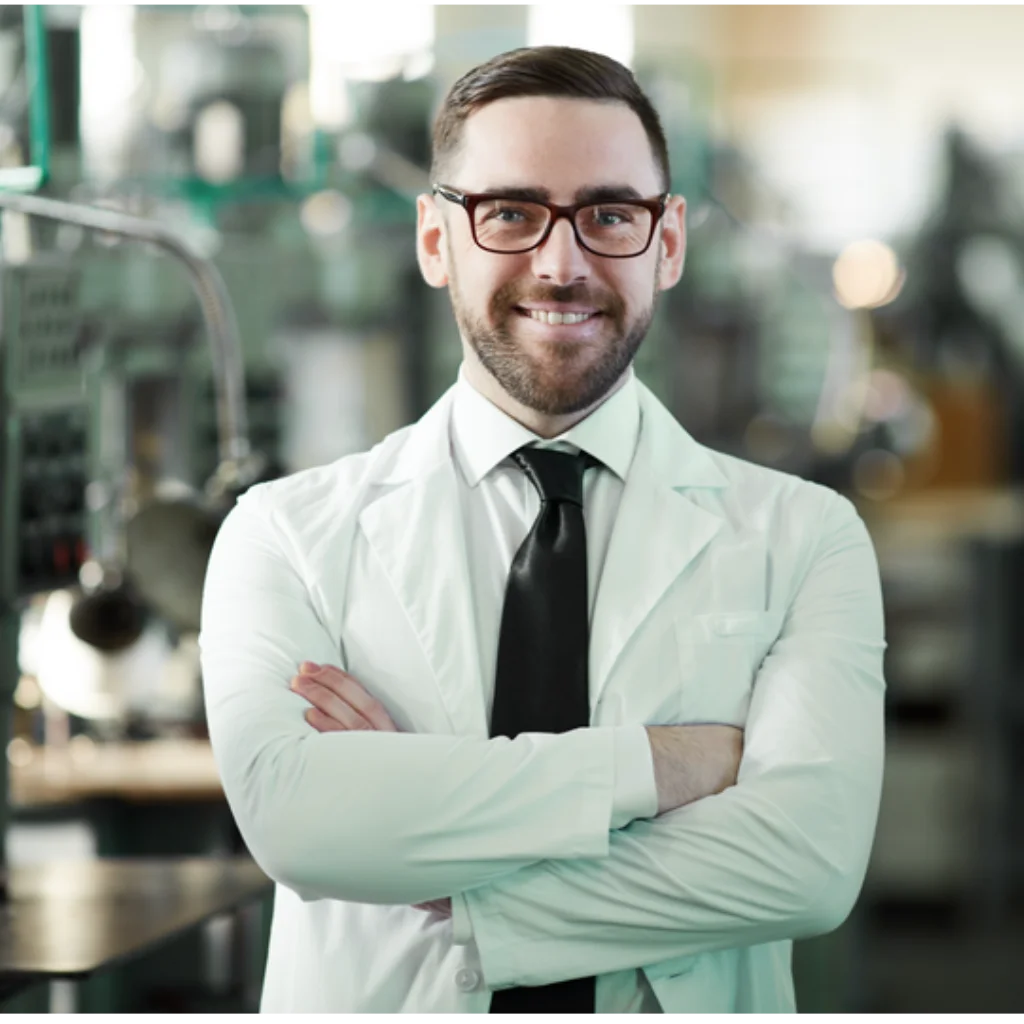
x=218, y=313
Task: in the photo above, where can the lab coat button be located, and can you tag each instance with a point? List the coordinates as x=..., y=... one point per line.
x=467, y=979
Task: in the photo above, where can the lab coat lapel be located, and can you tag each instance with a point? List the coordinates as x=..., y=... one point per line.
x=658, y=532
x=417, y=534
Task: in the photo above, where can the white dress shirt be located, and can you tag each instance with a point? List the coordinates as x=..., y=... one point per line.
x=499, y=506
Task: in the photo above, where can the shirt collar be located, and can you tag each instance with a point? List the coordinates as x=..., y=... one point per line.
x=483, y=436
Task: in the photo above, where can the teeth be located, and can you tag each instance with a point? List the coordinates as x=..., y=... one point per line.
x=546, y=317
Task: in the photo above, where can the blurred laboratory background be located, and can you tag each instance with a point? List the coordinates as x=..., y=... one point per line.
x=852, y=311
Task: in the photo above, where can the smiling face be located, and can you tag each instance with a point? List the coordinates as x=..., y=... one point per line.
x=548, y=334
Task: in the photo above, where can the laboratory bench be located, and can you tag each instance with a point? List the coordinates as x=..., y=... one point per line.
x=169, y=914
x=73, y=921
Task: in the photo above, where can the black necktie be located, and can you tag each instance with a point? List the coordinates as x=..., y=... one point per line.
x=541, y=679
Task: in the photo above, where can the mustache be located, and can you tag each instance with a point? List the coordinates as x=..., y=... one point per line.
x=513, y=294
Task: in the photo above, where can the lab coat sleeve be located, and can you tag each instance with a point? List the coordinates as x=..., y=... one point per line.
x=372, y=817
x=780, y=855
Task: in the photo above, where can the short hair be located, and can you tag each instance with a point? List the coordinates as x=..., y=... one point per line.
x=558, y=71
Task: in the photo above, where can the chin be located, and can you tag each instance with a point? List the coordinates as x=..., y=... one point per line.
x=562, y=394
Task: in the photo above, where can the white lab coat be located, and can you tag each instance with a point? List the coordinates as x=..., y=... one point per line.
x=730, y=593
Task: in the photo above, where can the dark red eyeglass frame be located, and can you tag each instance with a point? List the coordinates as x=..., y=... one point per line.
x=470, y=200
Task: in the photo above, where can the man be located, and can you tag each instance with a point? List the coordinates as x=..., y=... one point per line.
x=477, y=694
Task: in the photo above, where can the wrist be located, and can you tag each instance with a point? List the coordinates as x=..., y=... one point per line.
x=693, y=761
x=671, y=775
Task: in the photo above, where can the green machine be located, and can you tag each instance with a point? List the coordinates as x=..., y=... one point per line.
x=41, y=397
x=49, y=432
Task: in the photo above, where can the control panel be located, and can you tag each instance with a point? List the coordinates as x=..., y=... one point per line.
x=51, y=523
x=44, y=415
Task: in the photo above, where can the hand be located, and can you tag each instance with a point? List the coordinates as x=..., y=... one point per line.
x=442, y=906
x=340, y=703
x=693, y=761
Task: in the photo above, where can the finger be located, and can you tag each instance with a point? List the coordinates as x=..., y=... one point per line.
x=353, y=693
x=327, y=699
x=328, y=702
x=324, y=723
x=442, y=907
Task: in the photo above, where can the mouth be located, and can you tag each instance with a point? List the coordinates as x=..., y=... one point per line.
x=558, y=317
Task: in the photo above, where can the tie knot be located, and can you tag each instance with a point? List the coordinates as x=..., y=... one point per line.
x=558, y=476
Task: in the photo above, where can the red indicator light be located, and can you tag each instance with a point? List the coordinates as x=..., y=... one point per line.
x=61, y=557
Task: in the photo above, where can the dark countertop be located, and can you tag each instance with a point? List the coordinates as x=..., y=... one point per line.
x=69, y=919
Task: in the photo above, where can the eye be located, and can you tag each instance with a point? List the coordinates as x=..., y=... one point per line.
x=613, y=216
x=504, y=213
x=510, y=215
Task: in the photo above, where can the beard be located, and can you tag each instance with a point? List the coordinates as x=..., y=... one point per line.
x=571, y=378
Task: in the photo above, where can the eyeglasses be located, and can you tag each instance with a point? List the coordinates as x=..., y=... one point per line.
x=619, y=229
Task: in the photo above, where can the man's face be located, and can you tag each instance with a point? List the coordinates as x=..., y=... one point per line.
x=561, y=148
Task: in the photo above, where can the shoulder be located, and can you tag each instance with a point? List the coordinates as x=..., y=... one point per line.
x=797, y=519
x=798, y=529
x=311, y=516
x=750, y=496
x=313, y=504
x=805, y=527
x=789, y=514
x=753, y=487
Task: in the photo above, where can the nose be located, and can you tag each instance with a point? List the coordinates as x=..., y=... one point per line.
x=560, y=259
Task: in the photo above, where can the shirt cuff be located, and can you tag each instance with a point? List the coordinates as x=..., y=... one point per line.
x=462, y=927
x=636, y=793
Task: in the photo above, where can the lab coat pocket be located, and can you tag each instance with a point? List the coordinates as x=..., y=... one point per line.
x=719, y=656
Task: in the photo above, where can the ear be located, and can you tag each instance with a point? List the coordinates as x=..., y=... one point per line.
x=431, y=252
x=672, y=242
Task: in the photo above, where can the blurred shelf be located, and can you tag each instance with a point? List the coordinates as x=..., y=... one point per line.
x=935, y=515
x=148, y=771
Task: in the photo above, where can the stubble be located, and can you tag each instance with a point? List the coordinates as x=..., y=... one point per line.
x=565, y=378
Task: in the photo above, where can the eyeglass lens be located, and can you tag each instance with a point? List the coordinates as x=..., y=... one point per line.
x=611, y=229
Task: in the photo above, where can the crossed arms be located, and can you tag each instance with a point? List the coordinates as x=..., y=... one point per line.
x=521, y=828
x=690, y=761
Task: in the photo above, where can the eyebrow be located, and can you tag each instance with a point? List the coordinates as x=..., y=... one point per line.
x=587, y=194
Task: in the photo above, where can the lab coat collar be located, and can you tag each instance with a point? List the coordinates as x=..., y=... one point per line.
x=483, y=435
x=417, y=533
x=675, y=458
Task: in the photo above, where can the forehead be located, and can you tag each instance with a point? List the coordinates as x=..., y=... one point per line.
x=555, y=143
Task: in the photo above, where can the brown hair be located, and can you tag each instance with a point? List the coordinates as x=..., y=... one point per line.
x=543, y=71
